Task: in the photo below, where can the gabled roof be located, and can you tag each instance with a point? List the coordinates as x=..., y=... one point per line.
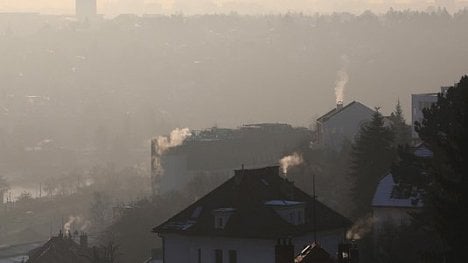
x=60, y=249
x=247, y=192
x=313, y=253
x=388, y=195
x=335, y=111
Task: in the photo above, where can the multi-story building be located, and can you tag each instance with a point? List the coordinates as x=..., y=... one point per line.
x=341, y=124
x=419, y=102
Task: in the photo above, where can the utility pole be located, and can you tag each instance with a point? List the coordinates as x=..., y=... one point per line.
x=314, y=208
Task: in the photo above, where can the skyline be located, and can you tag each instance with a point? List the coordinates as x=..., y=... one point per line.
x=115, y=7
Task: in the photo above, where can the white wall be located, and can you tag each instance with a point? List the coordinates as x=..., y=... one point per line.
x=345, y=124
x=394, y=215
x=184, y=249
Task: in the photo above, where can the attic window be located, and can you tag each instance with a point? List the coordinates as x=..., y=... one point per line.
x=222, y=216
x=290, y=211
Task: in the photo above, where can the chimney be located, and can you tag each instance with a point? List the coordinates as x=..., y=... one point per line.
x=339, y=105
x=348, y=253
x=84, y=240
x=284, y=251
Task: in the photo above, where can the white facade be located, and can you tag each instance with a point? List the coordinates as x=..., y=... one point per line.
x=389, y=209
x=342, y=125
x=192, y=249
x=419, y=102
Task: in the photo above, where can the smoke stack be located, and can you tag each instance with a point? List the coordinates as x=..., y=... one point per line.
x=339, y=105
x=284, y=251
x=84, y=240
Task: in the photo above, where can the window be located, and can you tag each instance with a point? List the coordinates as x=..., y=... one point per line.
x=220, y=222
x=218, y=256
x=232, y=256
x=199, y=255
x=299, y=217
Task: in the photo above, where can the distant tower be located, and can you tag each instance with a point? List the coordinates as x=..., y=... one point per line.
x=85, y=9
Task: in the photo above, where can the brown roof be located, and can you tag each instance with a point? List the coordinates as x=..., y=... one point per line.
x=247, y=193
x=61, y=249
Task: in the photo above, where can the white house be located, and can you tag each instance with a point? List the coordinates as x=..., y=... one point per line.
x=245, y=220
x=393, y=203
x=341, y=123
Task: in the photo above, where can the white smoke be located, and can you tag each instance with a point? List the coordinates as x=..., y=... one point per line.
x=176, y=138
x=72, y=221
x=341, y=80
x=160, y=145
x=362, y=227
x=289, y=161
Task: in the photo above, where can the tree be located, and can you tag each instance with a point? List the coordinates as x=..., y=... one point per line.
x=371, y=157
x=445, y=130
x=401, y=130
x=409, y=169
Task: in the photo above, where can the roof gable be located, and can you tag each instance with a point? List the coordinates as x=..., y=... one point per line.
x=247, y=192
x=336, y=111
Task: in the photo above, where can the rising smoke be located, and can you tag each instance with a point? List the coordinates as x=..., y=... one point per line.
x=75, y=223
x=176, y=138
x=289, y=161
x=361, y=228
x=341, y=80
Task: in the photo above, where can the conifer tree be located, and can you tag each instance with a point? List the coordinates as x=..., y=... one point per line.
x=371, y=157
x=445, y=130
x=401, y=130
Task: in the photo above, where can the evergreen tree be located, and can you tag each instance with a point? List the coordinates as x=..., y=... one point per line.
x=408, y=169
x=401, y=130
x=445, y=130
x=371, y=157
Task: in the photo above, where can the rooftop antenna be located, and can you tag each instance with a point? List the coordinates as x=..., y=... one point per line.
x=313, y=207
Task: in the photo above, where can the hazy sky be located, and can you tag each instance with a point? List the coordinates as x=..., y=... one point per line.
x=110, y=7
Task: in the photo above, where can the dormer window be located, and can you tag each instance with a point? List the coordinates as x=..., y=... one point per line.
x=291, y=211
x=222, y=216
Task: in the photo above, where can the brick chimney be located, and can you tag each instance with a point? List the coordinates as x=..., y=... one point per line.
x=284, y=251
x=339, y=105
x=84, y=240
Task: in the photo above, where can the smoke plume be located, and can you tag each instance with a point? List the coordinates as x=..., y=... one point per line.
x=160, y=145
x=341, y=80
x=176, y=138
x=289, y=161
x=362, y=227
x=71, y=221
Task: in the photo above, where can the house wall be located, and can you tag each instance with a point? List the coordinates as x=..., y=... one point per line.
x=184, y=249
x=394, y=215
x=344, y=125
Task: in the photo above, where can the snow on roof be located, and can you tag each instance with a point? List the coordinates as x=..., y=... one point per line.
x=383, y=196
x=422, y=151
